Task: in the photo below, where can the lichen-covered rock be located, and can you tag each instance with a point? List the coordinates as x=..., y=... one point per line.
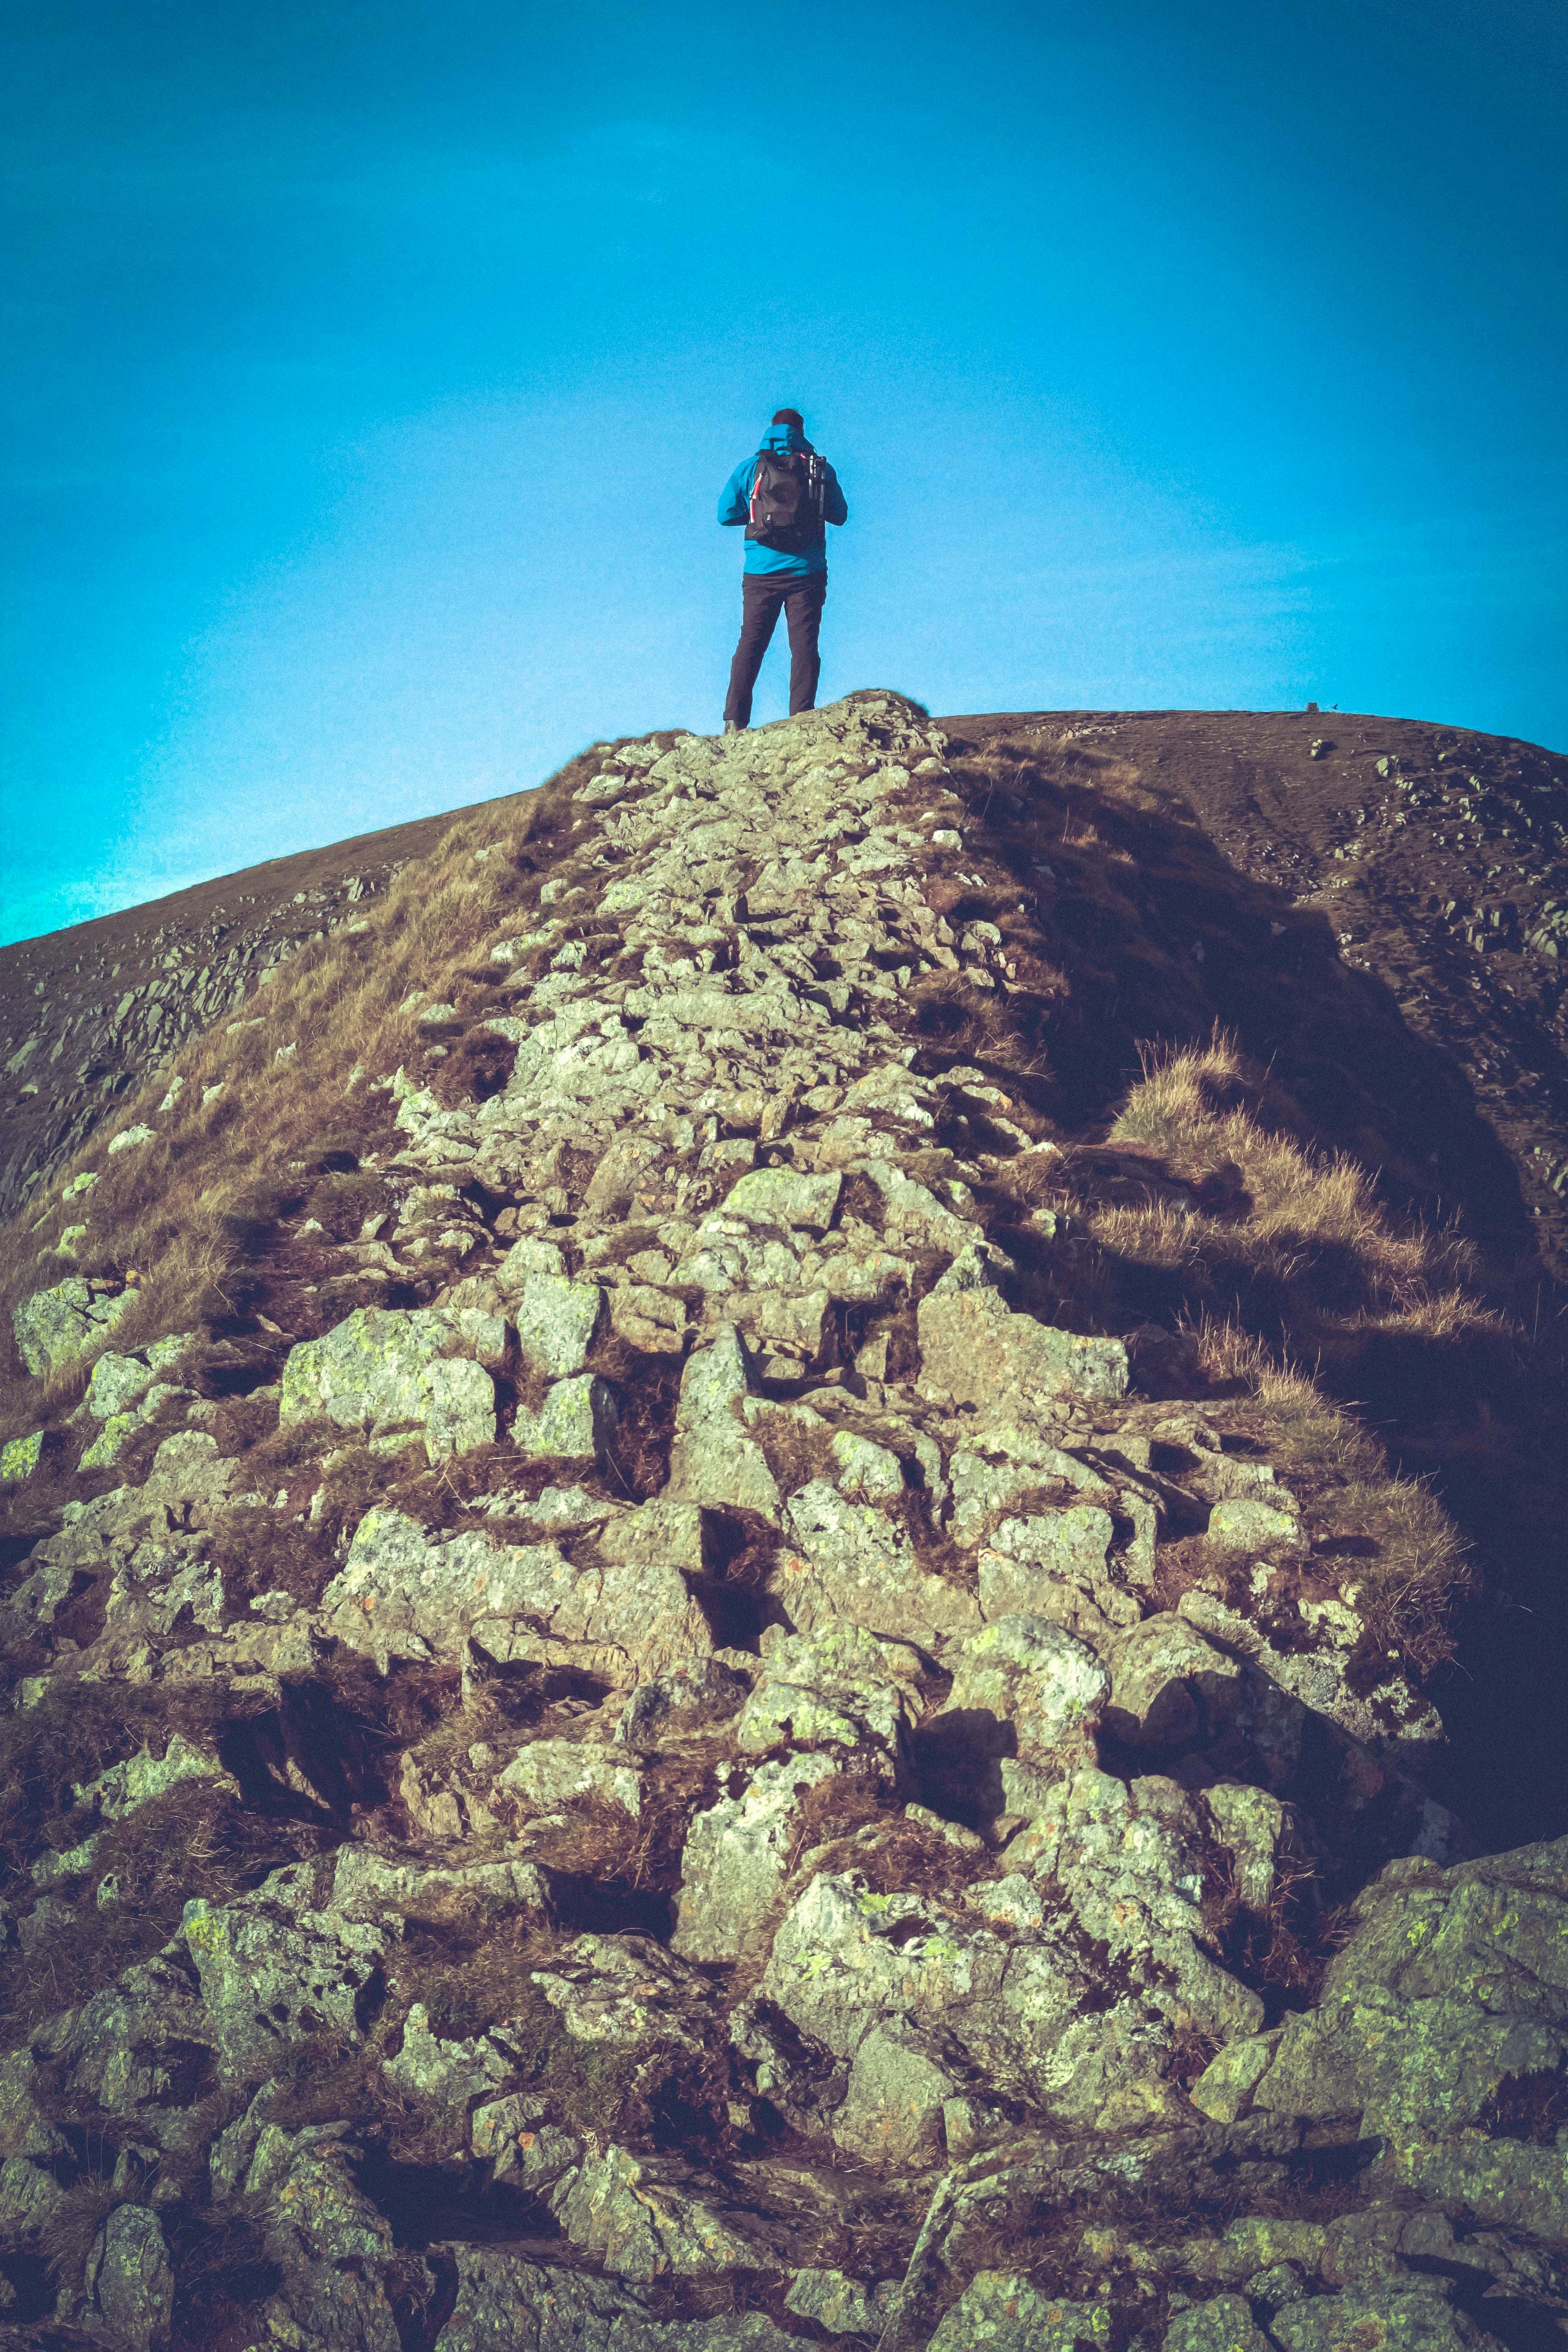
x=19, y=1458
x=124, y=1788
x=119, y=1382
x=550, y=1774
x=1441, y=2021
x=648, y=2218
x=713, y=1459
x=385, y=1888
x=839, y=2305
x=1023, y=1687
x=129, y=2277
x=1001, y=2312
x=438, y=2070
x=658, y=1533
x=893, y=2108
x=412, y=1592
x=385, y=1366
x=330, y=2246
x=575, y=1423
x=1244, y=1523
x=1025, y=2009
x=865, y=1469
x=629, y=1992
x=30, y=2197
x=274, y=1974
x=849, y=1560
x=736, y=1857
x=57, y=1328
x=975, y=1348
x=505, y=2303
x=837, y=1685
x=689, y=1698
x=782, y=1196
x=407, y=1591
x=556, y=1320
x=1130, y=1861
x=1169, y=1687
x=1420, y=2319
x=1056, y=1566
x=1222, y=2323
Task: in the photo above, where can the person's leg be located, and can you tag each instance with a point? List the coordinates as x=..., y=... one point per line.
x=804, y=610
x=760, y=601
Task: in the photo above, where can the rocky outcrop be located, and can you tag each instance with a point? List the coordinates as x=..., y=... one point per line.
x=780, y=1781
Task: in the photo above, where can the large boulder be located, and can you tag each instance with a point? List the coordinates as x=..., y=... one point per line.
x=737, y=1856
x=1443, y=2030
x=408, y=1592
x=385, y=1366
x=978, y=1351
x=713, y=1460
x=59, y=1327
x=849, y=1560
x=835, y=1687
x=131, y=2278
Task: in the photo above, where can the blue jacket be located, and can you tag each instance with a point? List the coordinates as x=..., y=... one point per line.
x=735, y=506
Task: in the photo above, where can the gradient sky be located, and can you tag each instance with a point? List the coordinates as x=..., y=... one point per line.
x=374, y=370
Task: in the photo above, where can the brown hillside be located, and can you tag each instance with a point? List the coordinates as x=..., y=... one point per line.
x=780, y=1555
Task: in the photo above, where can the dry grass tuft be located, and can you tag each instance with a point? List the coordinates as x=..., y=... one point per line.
x=189, y=1222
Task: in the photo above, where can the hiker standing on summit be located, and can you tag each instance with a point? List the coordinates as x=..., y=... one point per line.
x=784, y=495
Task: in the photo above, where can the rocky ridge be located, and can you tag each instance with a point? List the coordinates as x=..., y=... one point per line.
x=706, y=1730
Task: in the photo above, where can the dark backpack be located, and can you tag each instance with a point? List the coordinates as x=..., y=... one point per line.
x=788, y=491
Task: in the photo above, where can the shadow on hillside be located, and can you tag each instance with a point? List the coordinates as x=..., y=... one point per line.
x=1161, y=938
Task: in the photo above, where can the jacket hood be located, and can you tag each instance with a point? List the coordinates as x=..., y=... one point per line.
x=785, y=437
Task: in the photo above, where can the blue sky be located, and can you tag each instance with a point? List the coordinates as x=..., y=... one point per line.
x=374, y=371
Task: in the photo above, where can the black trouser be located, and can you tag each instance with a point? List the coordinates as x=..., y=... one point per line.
x=761, y=598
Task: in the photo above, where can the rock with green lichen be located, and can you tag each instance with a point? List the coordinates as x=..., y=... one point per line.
x=19, y=1458
x=384, y=1366
x=999, y=2311
x=1223, y=2324
x=575, y=1423
x=59, y=1327
x=736, y=1855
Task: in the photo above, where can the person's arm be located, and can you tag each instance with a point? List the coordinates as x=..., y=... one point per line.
x=735, y=499
x=834, y=510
